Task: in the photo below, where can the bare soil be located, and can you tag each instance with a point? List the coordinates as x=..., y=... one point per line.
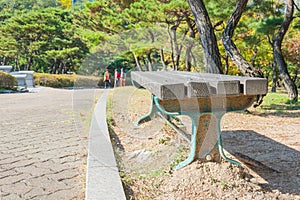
x=266, y=142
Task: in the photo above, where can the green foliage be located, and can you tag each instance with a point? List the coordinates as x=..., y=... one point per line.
x=38, y=35
x=10, y=8
x=119, y=63
x=65, y=80
x=43, y=41
x=218, y=11
x=88, y=81
x=7, y=81
x=269, y=25
x=54, y=80
x=279, y=102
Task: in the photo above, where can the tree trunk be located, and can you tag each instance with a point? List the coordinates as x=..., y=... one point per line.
x=17, y=68
x=172, y=47
x=194, y=60
x=212, y=58
x=4, y=60
x=274, y=77
x=60, y=67
x=162, y=59
x=278, y=56
x=229, y=45
x=178, y=48
x=226, y=64
x=137, y=62
x=188, y=57
x=53, y=71
x=145, y=64
x=150, y=68
x=190, y=45
x=29, y=63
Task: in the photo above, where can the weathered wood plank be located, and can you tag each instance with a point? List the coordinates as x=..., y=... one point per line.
x=195, y=87
x=215, y=86
x=192, y=88
x=249, y=85
x=162, y=88
x=203, y=86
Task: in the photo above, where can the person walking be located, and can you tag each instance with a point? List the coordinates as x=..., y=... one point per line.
x=122, y=78
x=106, y=78
x=116, y=78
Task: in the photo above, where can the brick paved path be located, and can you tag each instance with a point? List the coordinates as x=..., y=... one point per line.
x=43, y=143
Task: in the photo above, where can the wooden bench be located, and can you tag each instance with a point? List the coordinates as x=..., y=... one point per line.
x=205, y=98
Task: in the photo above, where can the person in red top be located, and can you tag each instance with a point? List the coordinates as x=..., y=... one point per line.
x=106, y=78
x=119, y=75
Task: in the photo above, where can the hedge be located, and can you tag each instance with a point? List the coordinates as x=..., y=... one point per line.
x=7, y=81
x=66, y=80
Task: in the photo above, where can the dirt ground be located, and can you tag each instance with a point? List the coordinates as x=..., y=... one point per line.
x=267, y=143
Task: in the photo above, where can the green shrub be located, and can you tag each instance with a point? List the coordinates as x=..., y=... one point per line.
x=88, y=81
x=54, y=80
x=65, y=80
x=7, y=81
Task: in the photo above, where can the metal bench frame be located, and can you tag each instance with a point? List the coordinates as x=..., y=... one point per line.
x=237, y=94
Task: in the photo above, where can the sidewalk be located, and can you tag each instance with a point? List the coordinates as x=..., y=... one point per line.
x=44, y=143
x=103, y=179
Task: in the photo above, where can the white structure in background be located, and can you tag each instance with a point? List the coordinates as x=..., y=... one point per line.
x=24, y=78
x=29, y=82
x=6, y=68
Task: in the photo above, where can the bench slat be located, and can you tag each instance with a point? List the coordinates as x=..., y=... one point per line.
x=214, y=86
x=191, y=88
x=195, y=87
x=162, y=88
x=249, y=85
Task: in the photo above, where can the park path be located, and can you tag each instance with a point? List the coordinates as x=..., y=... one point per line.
x=43, y=143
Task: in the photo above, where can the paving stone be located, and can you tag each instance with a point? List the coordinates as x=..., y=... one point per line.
x=37, y=192
x=49, y=185
x=33, y=170
x=46, y=149
x=63, y=195
x=14, y=179
x=21, y=163
x=12, y=196
x=17, y=188
x=65, y=174
x=7, y=173
x=10, y=160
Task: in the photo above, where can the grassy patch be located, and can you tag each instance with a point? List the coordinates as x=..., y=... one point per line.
x=279, y=102
x=109, y=111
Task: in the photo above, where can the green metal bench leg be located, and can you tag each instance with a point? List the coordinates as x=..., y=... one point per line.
x=162, y=110
x=147, y=117
x=220, y=143
x=192, y=154
x=155, y=107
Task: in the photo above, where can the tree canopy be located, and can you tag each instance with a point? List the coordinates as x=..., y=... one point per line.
x=58, y=36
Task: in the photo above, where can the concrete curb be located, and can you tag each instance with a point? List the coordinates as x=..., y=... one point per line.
x=102, y=178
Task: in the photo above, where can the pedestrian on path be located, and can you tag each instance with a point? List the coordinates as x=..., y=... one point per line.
x=116, y=82
x=106, y=79
x=122, y=78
